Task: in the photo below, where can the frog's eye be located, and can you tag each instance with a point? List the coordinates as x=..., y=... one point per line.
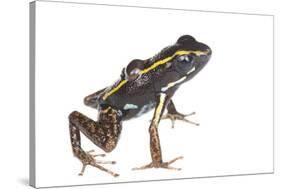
x=185, y=59
x=133, y=69
x=134, y=74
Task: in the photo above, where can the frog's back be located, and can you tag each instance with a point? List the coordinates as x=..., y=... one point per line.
x=134, y=98
x=140, y=82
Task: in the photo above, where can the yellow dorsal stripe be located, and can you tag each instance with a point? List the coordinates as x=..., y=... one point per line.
x=165, y=60
x=115, y=89
x=156, y=64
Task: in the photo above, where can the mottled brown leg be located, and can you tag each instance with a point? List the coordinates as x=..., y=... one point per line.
x=155, y=148
x=174, y=115
x=104, y=134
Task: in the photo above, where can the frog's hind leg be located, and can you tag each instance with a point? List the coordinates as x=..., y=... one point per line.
x=174, y=115
x=104, y=133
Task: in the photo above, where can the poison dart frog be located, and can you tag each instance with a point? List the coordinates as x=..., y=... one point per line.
x=143, y=85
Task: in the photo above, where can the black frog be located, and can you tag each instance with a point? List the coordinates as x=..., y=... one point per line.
x=143, y=85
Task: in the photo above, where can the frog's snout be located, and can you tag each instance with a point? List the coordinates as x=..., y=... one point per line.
x=205, y=48
x=207, y=56
x=209, y=51
x=204, y=58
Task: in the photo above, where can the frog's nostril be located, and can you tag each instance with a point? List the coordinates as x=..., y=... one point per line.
x=209, y=51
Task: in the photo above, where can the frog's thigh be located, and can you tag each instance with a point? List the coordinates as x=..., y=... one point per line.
x=104, y=133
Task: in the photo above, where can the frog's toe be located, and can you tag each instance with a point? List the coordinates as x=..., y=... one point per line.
x=91, y=152
x=150, y=165
x=178, y=116
x=89, y=159
x=165, y=165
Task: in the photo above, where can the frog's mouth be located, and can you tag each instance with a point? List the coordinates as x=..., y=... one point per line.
x=199, y=63
x=191, y=70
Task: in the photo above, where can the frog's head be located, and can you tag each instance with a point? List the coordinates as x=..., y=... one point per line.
x=191, y=56
x=187, y=57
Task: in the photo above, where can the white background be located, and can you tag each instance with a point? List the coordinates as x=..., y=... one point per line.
x=15, y=101
x=77, y=53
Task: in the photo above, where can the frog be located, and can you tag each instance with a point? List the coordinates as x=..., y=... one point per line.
x=143, y=85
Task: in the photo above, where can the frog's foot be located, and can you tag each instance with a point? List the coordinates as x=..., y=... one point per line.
x=87, y=158
x=165, y=165
x=178, y=116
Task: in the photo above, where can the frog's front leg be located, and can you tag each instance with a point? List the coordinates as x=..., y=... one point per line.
x=155, y=148
x=174, y=115
x=104, y=133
